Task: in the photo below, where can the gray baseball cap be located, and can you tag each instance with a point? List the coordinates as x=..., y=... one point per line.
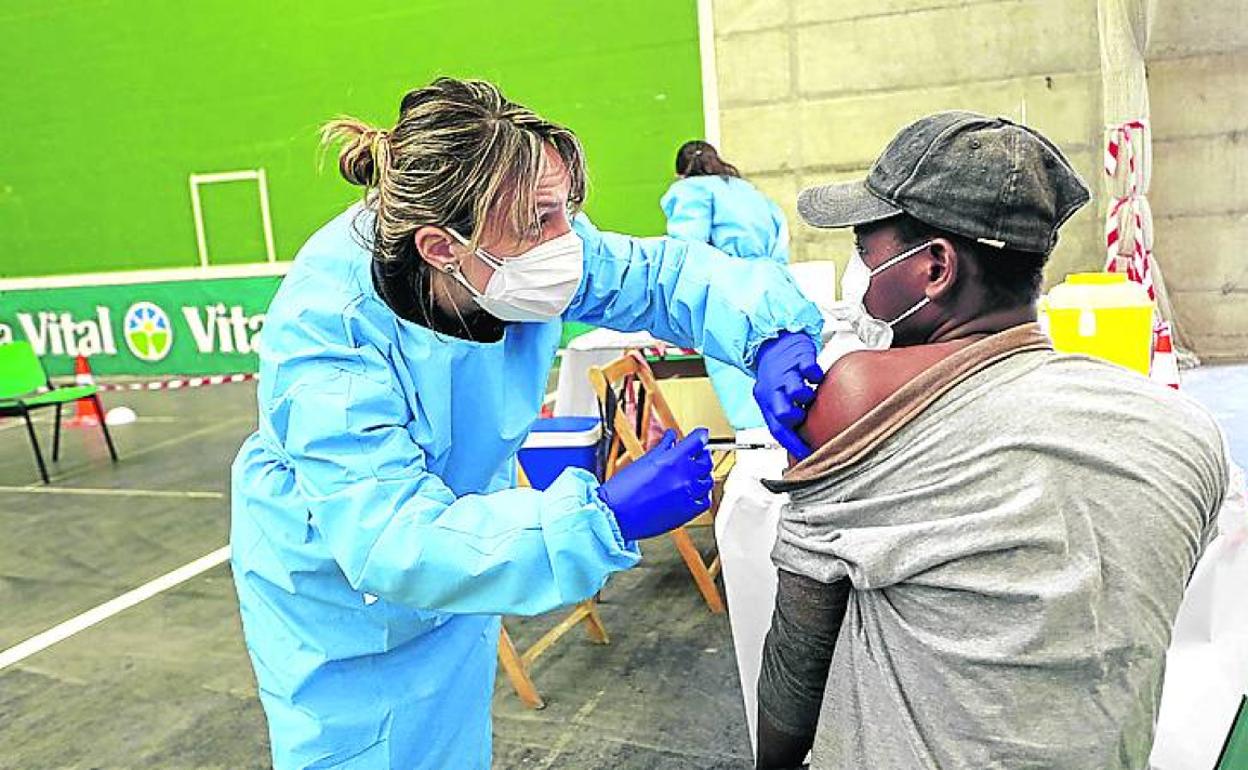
x=986, y=179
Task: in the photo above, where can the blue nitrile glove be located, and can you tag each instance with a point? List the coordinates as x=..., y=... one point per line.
x=787, y=368
x=662, y=489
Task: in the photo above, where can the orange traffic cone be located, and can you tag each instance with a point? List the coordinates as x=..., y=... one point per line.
x=1165, y=368
x=85, y=412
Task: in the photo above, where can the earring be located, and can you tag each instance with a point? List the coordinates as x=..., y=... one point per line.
x=449, y=267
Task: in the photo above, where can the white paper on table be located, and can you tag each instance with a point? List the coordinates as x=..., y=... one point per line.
x=745, y=531
x=573, y=395
x=609, y=339
x=1207, y=663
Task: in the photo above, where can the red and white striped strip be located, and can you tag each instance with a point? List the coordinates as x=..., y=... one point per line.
x=1129, y=141
x=1165, y=363
x=1123, y=141
x=179, y=383
x=1136, y=258
x=663, y=350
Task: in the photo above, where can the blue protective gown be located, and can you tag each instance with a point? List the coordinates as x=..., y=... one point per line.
x=734, y=217
x=377, y=534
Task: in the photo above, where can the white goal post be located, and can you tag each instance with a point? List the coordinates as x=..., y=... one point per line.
x=197, y=210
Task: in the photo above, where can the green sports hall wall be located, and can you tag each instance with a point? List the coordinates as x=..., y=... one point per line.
x=108, y=107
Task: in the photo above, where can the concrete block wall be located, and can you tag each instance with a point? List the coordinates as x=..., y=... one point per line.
x=811, y=90
x=1198, y=87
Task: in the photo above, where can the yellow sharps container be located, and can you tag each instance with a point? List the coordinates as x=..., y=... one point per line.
x=1103, y=315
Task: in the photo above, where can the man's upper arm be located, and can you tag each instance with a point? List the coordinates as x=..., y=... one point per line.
x=855, y=385
x=861, y=381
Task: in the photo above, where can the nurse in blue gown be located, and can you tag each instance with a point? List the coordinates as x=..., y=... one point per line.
x=711, y=203
x=377, y=530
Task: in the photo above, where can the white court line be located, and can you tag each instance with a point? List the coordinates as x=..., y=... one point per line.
x=17, y=422
x=61, y=632
x=159, y=275
x=103, y=491
x=158, y=445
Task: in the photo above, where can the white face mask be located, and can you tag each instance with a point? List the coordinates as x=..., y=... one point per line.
x=875, y=333
x=537, y=285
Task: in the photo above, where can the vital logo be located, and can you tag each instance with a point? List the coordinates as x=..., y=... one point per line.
x=61, y=334
x=218, y=329
x=147, y=331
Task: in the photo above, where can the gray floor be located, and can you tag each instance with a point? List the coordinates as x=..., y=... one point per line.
x=1224, y=391
x=167, y=684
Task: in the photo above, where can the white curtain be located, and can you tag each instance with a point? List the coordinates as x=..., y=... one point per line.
x=1124, y=27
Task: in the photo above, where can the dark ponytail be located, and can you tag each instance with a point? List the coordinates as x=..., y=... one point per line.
x=698, y=158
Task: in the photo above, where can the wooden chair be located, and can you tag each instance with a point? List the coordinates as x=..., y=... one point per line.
x=518, y=665
x=629, y=378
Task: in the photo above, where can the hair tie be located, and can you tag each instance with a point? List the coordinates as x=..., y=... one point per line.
x=378, y=137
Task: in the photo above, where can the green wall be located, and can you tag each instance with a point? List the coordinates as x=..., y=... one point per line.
x=108, y=107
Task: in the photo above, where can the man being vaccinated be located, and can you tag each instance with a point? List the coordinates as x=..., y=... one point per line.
x=981, y=562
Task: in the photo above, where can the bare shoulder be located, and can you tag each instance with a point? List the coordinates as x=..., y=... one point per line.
x=852, y=387
x=859, y=382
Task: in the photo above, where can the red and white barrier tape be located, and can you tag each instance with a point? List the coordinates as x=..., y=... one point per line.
x=1129, y=233
x=1126, y=141
x=1134, y=258
x=179, y=383
x=663, y=350
x=1129, y=222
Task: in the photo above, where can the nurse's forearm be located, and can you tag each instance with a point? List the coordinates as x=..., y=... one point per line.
x=689, y=294
x=516, y=552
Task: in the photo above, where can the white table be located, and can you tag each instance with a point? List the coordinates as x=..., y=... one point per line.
x=573, y=395
x=745, y=530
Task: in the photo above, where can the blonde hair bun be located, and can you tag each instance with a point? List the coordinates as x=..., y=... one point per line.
x=358, y=161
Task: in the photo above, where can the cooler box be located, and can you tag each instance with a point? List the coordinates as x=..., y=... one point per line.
x=1103, y=315
x=557, y=443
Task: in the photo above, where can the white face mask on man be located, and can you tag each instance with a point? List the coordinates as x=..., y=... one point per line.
x=537, y=285
x=875, y=333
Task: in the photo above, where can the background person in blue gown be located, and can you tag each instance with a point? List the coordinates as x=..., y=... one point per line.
x=377, y=530
x=710, y=203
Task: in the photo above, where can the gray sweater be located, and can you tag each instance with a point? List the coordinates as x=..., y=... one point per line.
x=1017, y=553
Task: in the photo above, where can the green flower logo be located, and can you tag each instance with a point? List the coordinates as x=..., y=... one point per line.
x=147, y=330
